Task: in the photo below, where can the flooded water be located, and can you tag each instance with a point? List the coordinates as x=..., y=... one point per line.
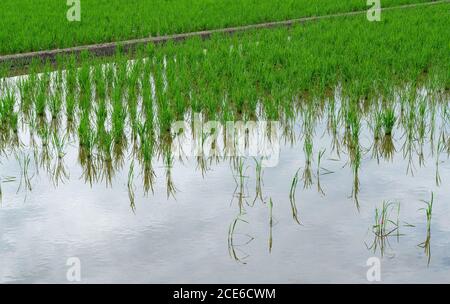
x=221, y=220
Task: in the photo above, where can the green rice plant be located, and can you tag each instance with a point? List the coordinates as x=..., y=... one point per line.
x=422, y=111
x=149, y=19
x=428, y=210
x=59, y=173
x=86, y=136
x=292, y=197
x=137, y=101
x=426, y=245
x=101, y=115
x=27, y=89
x=385, y=226
x=378, y=126
x=388, y=147
x=99, y=81
x=307, y=173
x=8, y=116
x=389, y=119
x=118, y=117
x=70, y=107
x=40, y=103
x=132, y=108
x=439, y=149
x=55, y=105
x=71, y=75
x=353, y=130
x=270, y=225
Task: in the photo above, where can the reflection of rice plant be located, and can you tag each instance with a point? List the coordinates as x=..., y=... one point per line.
x=4, y=180
x=234, y=249
x=353, y=121
x=307, y=173
x=387, y=147
x=240, y=177
x=59, y=171
x=426, y=245
x=259, y=182
x=270, y=224
x=421, y=130
x=440, y=148
x=168, y=164
x=59, y=145
x=319, y=159
x=130, y=186
x=292, y=197
x=25, y=178
x=86, y=135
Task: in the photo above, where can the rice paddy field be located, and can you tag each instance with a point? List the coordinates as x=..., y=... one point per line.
x=358, y=112
x=31, y=25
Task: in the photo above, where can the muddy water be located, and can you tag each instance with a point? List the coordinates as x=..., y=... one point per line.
x=207, y=222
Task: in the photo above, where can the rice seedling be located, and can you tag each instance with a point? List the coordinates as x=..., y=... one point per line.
x=307, y=173
x=439, y=150
x=240, y=177
x=378, y=126
x=292, y=197
x=118, y=117
x=60, y=173
x=426, y=245
x=353, y=129
x=388, y=121
x=55, y=105
x=113, y=102
x=422, y=125
x=385, y=226
x=270, y=225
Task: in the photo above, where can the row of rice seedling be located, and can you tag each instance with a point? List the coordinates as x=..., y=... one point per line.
x=355, y=75
x=30, y=25
x=98, y=150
